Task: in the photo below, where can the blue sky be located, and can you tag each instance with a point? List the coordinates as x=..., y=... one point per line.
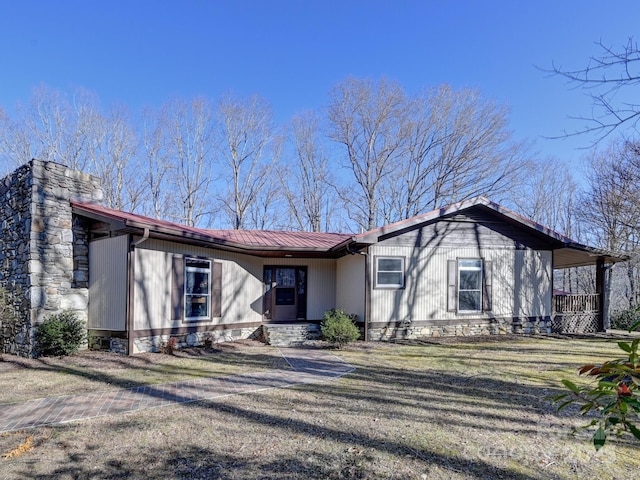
x=142, y=53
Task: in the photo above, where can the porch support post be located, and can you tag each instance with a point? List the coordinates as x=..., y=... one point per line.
x=601, y=291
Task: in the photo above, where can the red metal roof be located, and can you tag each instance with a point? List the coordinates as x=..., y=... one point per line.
x=271, y=238
x=266, y=239
x=276, y=243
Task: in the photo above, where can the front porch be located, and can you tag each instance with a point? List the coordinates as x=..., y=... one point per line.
x=577, y=313
x=582, y=313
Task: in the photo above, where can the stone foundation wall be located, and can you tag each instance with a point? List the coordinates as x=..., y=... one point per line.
x=195, y=339
x=43, y=249
x=497, y=326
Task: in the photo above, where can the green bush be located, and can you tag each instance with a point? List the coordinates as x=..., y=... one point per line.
x=623, y=319
x=60, y=334
x=339, y=328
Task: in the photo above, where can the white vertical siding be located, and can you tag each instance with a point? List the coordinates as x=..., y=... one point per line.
x=152, y=291
x=321, y=282
x=241, y=285
x=108, y=283
x=350, y=284
x=533, y=283
x=521, y=283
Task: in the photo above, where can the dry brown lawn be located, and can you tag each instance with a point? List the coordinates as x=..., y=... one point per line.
x=455, y=409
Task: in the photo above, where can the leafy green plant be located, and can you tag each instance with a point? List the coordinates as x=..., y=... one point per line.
x=623, y=319
x=338, y=328
x=61, y=334
x=615, y=398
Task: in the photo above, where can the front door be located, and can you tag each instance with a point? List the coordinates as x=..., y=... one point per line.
x=285, y=293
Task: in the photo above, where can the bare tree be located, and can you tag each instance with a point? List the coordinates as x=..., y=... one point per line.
x=249, y=147
x=37, y=130
x=157, y=165
x=189, y=126
x=84, y=123
x=262, y=214
x=367, y=118
x=611, y=209
x=15, y=147
x=458, y=146
x=609, y=79
x=410, y=155
x=307, y=184
x=50, y=127
x=548, y=194
x=114, y=161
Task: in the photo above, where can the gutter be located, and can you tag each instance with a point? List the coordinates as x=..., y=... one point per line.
x=131, y=278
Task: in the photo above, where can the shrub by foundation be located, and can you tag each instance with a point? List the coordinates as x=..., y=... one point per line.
x=61, y=334
x=338, y=328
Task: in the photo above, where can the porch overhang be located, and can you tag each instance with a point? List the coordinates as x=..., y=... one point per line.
x=576, y=255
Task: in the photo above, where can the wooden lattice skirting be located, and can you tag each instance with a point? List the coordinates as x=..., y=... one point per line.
x=575, y=323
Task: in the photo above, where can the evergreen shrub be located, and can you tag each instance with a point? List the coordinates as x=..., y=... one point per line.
x=338, y=328
x=623, y=319
x=60, y=335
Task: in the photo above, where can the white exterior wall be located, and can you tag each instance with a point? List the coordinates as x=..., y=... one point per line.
x=321, y=282
x=108, y=283
x=242, y=284
x=521, y=283
x=351, y=285
x=534, y=283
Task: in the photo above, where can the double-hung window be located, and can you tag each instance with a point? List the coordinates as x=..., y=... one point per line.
x=390, y=272
x=197, y=289
x=469, y=285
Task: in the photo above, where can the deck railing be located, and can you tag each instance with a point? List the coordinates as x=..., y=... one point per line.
x=577, y=303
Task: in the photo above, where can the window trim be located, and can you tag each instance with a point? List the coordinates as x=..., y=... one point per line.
x=209, y=271
x=480, y=289
x=402, y=271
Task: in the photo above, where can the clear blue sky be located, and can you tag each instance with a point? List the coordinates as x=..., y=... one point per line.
x=291, y=52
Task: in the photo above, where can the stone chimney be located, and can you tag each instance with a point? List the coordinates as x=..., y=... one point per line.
x=44, y=253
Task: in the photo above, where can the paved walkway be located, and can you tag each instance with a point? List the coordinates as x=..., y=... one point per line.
x=307, y=366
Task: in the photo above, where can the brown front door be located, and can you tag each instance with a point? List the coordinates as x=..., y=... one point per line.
x=285, y=293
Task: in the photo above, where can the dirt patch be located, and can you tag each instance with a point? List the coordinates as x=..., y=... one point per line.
x=92, y=371
x=112, y=361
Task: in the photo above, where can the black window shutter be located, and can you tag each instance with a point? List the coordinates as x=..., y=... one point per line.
x=452, y=270
x=177, y=289
x=486, y=286
x=216, y=289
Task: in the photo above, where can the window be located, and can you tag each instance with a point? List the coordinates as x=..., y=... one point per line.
x=197, y=289
x=390, y=272
x=469, y=285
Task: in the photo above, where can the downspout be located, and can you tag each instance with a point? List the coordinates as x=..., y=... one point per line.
x=131, y=277
x=367, y=288
x=367, y=294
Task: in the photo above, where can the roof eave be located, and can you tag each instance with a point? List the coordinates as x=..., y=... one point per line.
x=227, y=244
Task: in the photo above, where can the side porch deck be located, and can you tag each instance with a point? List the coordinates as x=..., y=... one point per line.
x=577, y=313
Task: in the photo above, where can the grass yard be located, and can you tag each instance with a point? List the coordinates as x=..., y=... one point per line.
x=459, y=409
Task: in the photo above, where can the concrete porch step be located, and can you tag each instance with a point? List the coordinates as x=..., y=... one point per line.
x=290, y=334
